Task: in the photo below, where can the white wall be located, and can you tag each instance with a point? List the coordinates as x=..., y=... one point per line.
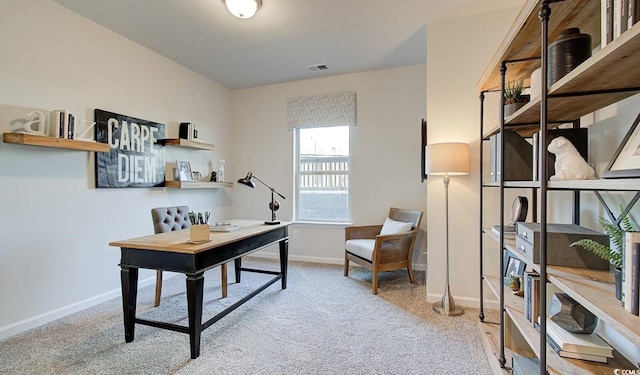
x=385, y=152
x=458, y=50
x=55, y=227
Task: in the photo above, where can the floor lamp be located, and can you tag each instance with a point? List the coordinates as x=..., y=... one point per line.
x=447, y=159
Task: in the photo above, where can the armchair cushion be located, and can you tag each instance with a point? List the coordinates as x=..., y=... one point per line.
x=391, y=226
x=361, y=248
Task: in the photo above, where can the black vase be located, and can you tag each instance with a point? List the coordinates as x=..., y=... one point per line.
x=567, y=52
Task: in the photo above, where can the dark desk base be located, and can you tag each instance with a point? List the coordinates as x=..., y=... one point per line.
x=195, y=286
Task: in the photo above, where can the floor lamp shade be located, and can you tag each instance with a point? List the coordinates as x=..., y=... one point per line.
x=447, y=158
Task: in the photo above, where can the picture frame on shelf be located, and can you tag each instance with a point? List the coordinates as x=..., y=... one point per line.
x=512, y=266
x=184, y=170
x=626, y=160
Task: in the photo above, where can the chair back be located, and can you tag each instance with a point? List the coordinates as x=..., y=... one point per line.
x=406, y=216
x=167, y=219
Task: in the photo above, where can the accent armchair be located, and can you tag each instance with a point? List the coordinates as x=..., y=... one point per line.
x=167, y=219
x=384, y=247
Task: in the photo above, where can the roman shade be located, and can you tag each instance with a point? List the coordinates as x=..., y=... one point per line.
x=315, y=111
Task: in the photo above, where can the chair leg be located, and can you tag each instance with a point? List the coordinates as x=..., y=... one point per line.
x=223, y=274
x=374, y=281
x=412, y=278
x=156, y=302
x=346, y=264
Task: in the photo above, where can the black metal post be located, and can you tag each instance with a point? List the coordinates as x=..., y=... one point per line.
x=545, y=13
x=503, y=72
x=481, y=313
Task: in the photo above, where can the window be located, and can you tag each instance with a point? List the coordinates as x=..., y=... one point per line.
x=322, y=174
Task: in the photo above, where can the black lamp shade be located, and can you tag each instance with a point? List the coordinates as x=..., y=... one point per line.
x=248, y=180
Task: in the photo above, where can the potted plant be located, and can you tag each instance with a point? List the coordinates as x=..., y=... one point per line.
x=513, y=98
x=613, y=252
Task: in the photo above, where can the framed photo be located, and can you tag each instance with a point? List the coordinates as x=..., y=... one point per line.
x=626, y=160
x=512, y=266
x=184, y=170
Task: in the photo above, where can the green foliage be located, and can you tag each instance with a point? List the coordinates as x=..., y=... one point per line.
x=513, y=92
x=616, y=236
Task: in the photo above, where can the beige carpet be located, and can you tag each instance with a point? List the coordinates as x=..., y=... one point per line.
x=323, y=323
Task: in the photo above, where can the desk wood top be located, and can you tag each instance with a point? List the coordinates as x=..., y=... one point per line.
x=177, y=241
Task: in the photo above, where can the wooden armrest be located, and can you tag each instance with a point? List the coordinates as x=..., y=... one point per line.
x=394, y=248
x=361, y=232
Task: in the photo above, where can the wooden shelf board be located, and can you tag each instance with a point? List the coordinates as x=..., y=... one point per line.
x=621, y=184
x=608, y=69
x=46, y=141
x=179, y=142
x=522, y=41
x=197, y=185
x=490, y=338
x=514, y=306
x=595, y=290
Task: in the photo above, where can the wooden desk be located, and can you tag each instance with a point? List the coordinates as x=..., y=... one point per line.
x=171, y=252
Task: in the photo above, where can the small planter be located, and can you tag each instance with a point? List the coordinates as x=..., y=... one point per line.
x=512, y=108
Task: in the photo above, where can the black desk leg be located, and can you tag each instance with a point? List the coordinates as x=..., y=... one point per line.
x=284, y=255
x=195, y=286
x=129, y=281
x=237, y=264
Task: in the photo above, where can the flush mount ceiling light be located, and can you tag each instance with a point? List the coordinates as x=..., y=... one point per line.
x=243, y=8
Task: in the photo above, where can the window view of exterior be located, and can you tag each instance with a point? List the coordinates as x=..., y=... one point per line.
x=322, y=174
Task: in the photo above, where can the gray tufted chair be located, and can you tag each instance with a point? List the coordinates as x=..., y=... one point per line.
x=167, y=219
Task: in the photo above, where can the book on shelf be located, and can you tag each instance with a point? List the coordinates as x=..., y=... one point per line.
x=531, y=295
x=633, y=12
x=581, y=343
x=606, y=24
x=575, y=355
x=631, y=272
x=620, y=9
x=59, y=123
x=71, y=126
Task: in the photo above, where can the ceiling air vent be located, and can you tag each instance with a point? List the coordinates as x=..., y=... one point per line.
x=318, y=68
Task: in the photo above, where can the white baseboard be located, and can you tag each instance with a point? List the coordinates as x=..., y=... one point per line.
x=50, y=316
x=465, y=301
x=304, y=258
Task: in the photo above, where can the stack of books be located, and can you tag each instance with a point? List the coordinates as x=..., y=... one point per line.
x=617, y=16
x=223, y=227
x=588, y=347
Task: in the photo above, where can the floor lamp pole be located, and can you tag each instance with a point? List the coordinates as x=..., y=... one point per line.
x=447, y=306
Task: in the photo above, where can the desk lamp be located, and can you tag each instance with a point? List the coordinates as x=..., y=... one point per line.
x=274, y=205
x=447, y=159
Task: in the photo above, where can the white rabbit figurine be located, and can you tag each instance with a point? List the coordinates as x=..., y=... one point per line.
x=569, y=163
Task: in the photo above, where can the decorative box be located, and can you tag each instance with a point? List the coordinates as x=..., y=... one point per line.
x=199, y=233
x=559, y=239
x=521, y=365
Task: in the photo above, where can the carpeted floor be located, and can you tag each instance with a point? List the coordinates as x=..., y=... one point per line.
x=323, y=323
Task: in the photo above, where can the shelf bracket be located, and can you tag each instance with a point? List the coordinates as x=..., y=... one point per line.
x=612, y=217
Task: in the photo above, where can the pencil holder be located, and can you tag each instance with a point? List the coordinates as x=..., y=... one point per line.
x=199, y=232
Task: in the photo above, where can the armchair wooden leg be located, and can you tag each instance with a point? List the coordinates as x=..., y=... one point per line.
x=412, y=278
x=374, y=282
x=223, y=274
x=156, y=301
x=346, y=264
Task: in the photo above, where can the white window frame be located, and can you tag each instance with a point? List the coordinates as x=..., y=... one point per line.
x=297, y=178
